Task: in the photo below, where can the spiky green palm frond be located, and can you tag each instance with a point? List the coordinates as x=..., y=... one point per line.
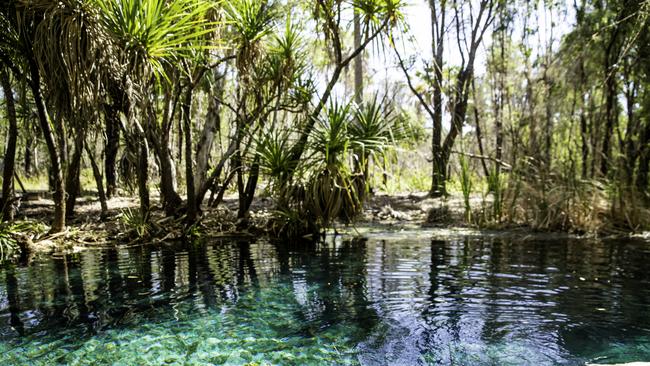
x=70, y=48
x=330, y=136
x=156, y=33
x=274, y=152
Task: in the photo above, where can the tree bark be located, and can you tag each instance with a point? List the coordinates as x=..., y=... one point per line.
x=143, y=177
x=644, y=161
x=358, y=61
x=610, y=70
x=210, y=130
x=247, y=192
x=8, y=192
x=58, y=223
x=171, y=200
x=439, y=165
x=97, y=174
x=189, y=173
x=72, y=175
x=112, y=146
x=27, y=163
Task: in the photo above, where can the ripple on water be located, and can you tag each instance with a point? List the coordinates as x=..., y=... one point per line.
x=392, y=300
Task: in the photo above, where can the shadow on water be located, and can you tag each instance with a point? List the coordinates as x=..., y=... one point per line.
x=373, y=301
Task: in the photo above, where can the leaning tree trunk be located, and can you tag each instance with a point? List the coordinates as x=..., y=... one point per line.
x=210, y=129
x=58, y=223
x=6, y=202
x=97, y=174
x=247, y=194
x=171, y=201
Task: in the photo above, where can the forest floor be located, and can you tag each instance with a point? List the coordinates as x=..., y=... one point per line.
x=382, y=213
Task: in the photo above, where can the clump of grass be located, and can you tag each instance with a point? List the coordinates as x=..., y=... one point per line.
x=552, y=204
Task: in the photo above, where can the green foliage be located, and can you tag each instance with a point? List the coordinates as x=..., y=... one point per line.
x=157, y=33
x=275, y=158
x=330, y=138
x=133, y=222
x=8, y=244
x=9, y=232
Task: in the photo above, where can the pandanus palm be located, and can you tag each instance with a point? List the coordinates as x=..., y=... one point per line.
x=331, y=189
x=152, y=38
x=53, y=45
x=373, y=130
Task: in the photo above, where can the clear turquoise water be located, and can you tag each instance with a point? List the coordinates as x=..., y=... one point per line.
x=394, y=299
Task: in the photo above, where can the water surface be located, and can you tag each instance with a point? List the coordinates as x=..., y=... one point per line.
x=393, y=299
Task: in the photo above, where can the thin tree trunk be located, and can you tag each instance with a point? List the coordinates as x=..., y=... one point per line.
x=27, y=164
x=610, y=101
x=498, y=123
x=644, y=161
x=171, y=200
x=248, y=193
x=97, y=174
x=479, y=138
x=112, y=147
x=72, y=177
x=210, y=129
x=143, y=177
x=8, y=192
x=58, y=223
x=189, y=174
x=358, y=61
x=439, y=166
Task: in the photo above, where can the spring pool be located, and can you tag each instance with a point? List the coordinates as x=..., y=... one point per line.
x=387, y=299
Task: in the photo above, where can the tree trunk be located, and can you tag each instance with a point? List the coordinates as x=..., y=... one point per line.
x=611, y=55
x=358, y=61
x=585, y=143
x=479, y=137
x=171, y=200
x=6, y=202
x=189, y=174
x=97, y=174
x=498, y=123
x=439, y=165
x=210, y=129
x=644, y=161
x=72, y=177
x=58, y=223
x=143, y=177
x=112, y=147
x=248, y=193
x=29, y=146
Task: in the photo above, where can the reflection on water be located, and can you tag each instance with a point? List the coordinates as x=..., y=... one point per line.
x=382, y=300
